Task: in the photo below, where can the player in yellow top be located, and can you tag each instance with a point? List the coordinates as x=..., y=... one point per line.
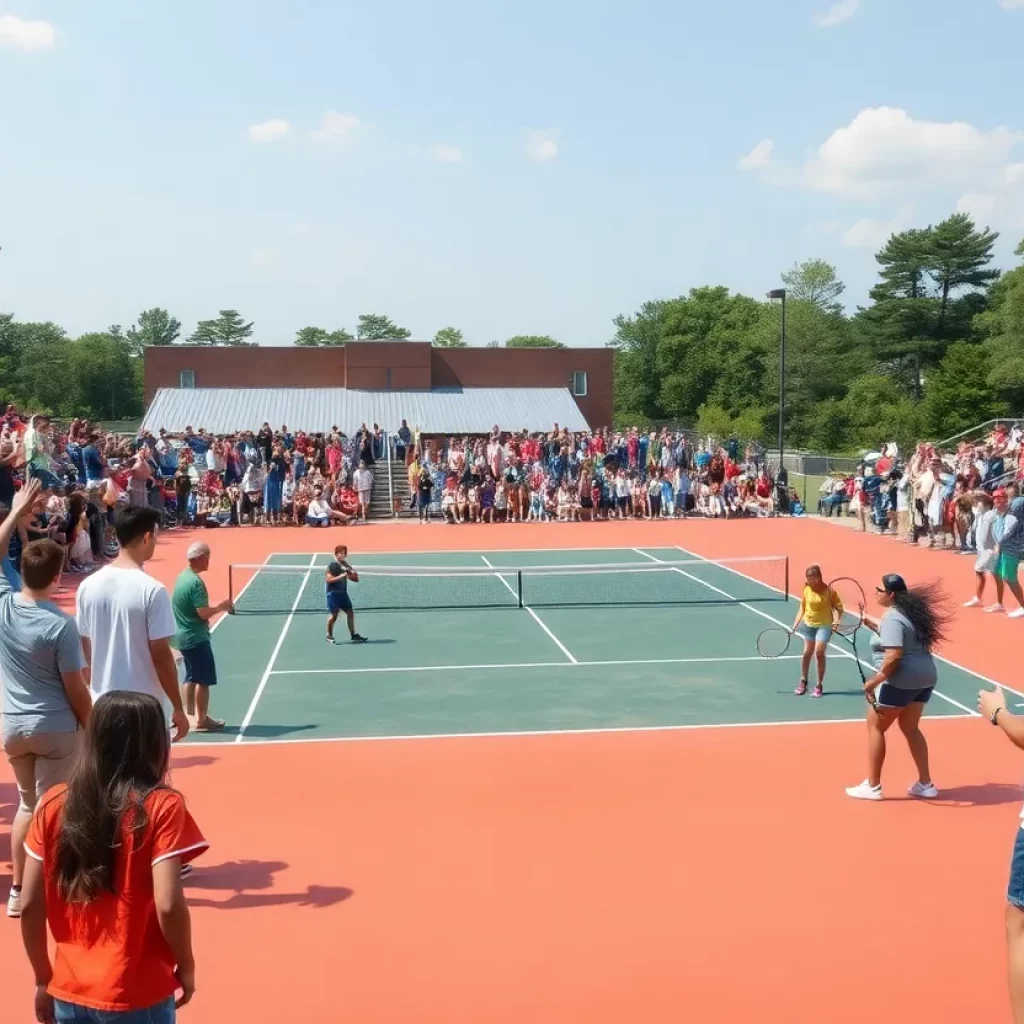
x=819, y=613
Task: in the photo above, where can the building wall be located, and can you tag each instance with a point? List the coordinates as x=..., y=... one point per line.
x=381, y=366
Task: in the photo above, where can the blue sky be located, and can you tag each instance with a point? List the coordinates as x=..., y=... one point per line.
x=504, y=167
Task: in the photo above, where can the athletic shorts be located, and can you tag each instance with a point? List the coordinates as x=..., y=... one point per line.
x=1007, y=568
x=986, y=562
x=889, y=696
x=199, y=665
x=1015, y=890
x=814, y=634
x=338, y=602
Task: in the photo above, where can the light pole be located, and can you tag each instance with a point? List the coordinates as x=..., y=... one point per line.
x=780, y=293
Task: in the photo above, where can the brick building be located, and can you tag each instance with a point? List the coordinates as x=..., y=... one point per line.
x=380, y=370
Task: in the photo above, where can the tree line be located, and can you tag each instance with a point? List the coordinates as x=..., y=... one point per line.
x=938, y=348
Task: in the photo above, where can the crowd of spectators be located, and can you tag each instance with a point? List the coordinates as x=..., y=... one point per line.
x=569, y=476
x=934, y=495
x=278, y=477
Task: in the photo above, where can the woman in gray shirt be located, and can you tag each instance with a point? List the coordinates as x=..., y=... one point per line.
x=904, y=678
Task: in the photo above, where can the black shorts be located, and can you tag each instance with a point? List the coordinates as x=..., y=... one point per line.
x=889, y=696
x=200, y=666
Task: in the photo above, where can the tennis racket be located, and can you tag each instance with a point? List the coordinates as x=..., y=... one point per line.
x=774, y=642
x=849, y=601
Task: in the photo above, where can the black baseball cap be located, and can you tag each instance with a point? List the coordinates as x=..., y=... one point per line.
x=893, y=583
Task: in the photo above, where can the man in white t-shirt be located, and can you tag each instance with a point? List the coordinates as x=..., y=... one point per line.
x=126, y=621
x=362, y=480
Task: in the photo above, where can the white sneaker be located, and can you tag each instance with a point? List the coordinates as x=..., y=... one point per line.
x=995, y=608
x=864, y=791
x=14, y=904
x=973, y=603
x=1018, y=614
x=925, y=792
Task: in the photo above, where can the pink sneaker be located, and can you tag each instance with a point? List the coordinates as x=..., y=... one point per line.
x=818, y=691
x=801, y=688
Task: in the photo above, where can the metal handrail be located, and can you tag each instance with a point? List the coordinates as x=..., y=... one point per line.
x=389, y=455
x=980, y=428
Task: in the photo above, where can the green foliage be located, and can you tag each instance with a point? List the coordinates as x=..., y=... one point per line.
x=816, y=282
x=375, y=327
x=958, y=394
x=449, y=337
x=155, y=327
x=103, y=377
x=636, y=360
x=533, y=341
x=227, y=329
x=317, y=337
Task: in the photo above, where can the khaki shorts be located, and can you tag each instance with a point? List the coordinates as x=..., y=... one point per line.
x=40, y=762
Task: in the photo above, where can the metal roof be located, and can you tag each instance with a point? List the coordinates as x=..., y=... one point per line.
x=442, y=411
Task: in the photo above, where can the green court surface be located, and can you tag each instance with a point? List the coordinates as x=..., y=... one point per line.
x=590, y=650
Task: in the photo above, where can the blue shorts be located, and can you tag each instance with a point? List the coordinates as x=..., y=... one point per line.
x=199, y=665
x=1015, y=890
x=338, y=602
x=889, y=696
x=814, y=634
x=72, y=1013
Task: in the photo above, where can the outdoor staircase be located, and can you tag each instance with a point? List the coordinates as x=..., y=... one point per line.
x=381, y=502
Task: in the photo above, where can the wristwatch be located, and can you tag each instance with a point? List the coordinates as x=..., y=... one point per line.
x=994, y=716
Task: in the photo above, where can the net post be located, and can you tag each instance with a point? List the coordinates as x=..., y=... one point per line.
x=785, y=586
x=231, y=585
x=519, y=588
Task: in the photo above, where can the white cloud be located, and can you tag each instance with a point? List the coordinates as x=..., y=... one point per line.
x=758, y=158
x=884, y=150
x=840, y=11
x=867, y=233
x=1011, y=5
x=446, y=154
x=19, y=34
x=335, y=128
x=262, y=257
x=268, y=131
x=980, y=205
x=540, y=146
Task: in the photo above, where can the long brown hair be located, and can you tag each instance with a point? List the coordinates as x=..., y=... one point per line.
x=123, y=759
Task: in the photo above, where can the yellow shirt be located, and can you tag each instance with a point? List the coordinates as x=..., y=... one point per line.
x=818, y=606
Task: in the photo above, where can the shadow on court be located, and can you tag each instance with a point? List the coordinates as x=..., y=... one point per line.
x=984, y=794
x=251, y=882
x=193, y=761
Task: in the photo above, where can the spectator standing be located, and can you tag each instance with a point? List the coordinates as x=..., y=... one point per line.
x=126, y=621
x=106, y=855
x=45, y=696
x=192, y=614
x=404, y=441
x=362, y=480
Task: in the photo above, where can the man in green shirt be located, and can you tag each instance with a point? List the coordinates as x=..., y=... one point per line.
x=192, y=614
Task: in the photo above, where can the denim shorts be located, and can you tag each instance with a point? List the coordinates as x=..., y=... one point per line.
x=72, y=1013
x=815, y=634
x=1015, y=890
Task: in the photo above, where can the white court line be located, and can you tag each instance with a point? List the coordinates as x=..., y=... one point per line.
x=518, y=665
x=611, y=730
x=845, y=654
x=238, y=597
x=273, y=657
x=540, y=622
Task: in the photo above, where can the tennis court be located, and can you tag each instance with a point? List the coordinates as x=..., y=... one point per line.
x=497, y=642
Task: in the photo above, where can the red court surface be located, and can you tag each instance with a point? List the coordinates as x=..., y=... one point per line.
x=712, y=875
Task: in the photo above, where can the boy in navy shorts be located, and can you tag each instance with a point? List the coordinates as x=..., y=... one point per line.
x=338, y=576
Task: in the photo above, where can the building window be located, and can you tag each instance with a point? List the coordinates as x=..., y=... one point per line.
x=186, y=378
x=579, y=383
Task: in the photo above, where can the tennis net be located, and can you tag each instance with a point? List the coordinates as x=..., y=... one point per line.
x=276, y=589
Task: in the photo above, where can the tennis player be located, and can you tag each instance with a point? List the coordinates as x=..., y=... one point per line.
x=904, y=678
x=819, y=612
x=338, y=576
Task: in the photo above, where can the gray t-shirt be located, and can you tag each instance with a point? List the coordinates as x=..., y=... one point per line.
x=916, y=669
x=37, y=643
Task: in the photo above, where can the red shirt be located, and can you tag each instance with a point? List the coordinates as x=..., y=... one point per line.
x=110, y=954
